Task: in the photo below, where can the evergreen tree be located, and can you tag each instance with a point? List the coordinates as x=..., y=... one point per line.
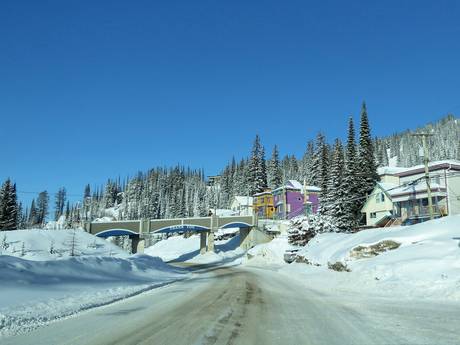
x=367, y=169
x=8, y=206
x=274, y=173
x=350, y=181
x=21, y=217
x=320, y=167
x=59, y=203
x=335, y=191
x=257, y=178
x=307, y=163
x=33, y=215
x=42, y=207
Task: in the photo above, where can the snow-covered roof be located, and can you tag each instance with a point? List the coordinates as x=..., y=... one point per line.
x=296, y=185
x=414, y=188
x=390, y=170
x=243, y=200
x=263, y=193
x=400, y=171
x=387, y=186
x=313, y=189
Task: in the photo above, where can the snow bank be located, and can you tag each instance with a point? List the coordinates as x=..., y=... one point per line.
x=40, y=244
x=41, y=282
x=33, y=293
x=271, y=253
x=179, y=248
x=426, y=264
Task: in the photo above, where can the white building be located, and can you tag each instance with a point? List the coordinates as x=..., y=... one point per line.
x=242, y=205
x=402, y=194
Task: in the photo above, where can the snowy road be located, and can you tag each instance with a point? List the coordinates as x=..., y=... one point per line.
x=252, y=306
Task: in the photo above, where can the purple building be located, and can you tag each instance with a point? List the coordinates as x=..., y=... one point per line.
x=293, y=200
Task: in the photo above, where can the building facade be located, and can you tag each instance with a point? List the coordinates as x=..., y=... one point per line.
x=403, y=194
x=263, y=205
x=293, y=199
x=242, y=205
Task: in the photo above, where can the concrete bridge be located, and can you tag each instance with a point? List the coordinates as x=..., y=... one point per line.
x=206, y=226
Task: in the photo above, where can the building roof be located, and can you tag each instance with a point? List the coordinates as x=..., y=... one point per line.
x=387, y=186
x=390, y=170
x=414, y=188
x=296, y=185
x=417, y=169
x=263, y=193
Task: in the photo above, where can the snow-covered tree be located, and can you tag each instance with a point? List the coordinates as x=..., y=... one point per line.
x=42, y=207
x=59, y=204
x=8, y=206
x=274, y=172
x=257, y=169
x=366, y=167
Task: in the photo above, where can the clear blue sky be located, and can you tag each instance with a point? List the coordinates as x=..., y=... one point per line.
x=96, y=89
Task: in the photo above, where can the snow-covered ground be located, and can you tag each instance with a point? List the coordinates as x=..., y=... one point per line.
x=40, y=281
x=39, y=244
x=39, y=285
x=179, y=248
x=425, y=265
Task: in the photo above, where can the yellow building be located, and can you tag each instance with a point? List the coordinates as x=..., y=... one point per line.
x=263, y=204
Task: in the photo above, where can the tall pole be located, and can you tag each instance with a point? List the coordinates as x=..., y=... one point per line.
x=427, y=170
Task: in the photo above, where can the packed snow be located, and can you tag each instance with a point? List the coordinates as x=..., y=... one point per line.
x=39, y=285
x=421, y=261
x=187, y=249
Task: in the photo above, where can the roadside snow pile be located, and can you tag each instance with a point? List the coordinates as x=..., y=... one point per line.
x=180, y=248
x=33, y=293
x=269, y=253
x=40, y=244
x=421, y=260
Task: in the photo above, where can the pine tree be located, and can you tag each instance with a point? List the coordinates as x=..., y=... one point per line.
x=367, y=170
x=8, y=206
x=21, y=217
x=320, y=163
x=350, y=181
x=59, y=203
x=257, y=178
x=334, y=202
x=320, y=167
x=307, y=162
x=33, y=215
x=274, y=173
x=42, y=207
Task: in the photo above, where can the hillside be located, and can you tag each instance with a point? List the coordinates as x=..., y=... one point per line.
x=444, y=144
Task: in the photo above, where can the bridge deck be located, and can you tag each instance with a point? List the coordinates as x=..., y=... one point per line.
x=197, y=224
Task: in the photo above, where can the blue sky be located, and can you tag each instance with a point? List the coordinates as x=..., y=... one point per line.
x=96, y=89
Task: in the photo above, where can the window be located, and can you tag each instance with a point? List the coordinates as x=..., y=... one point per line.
x=380, y=197
x=373, y=215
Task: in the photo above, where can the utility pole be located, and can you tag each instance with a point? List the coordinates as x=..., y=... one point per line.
x=427, y=171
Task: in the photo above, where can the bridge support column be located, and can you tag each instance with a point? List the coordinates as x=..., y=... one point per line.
x=202, y=242
x=210, y=241
x=137, y=245
x=245, y=238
